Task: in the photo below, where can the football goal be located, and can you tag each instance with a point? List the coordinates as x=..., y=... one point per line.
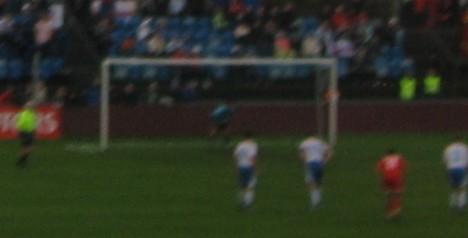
x=322, y=72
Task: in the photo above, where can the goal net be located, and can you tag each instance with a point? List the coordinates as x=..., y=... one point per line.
x=319, y=72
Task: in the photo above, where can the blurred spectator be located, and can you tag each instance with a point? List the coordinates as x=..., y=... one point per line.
x=176, y=7
x=340, y=20
x=44, y=31
x=145, y=29
x=189, y=92
x=432, y=83
x=235, y=8
x=151, y=96
x=219, y=19
x=242, y=34
x=40, y=92
x=156, y=45
x=60, y=96
x=345, y=51
x=311, y=46
x=128, y=45
x=173, y=45
x=326, y=37
x=102, y=33
x=125, y=8
x=408, y=85
x=129, y=95
x=283, y=48
x=57, y=14
x=6, y=29
x=287, y=16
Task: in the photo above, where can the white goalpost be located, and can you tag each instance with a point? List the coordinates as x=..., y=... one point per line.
x=328, y=64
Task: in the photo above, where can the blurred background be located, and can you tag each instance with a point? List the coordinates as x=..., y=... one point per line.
x=386, y=50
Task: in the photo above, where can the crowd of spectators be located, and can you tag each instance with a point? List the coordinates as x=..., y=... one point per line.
x=236, y=28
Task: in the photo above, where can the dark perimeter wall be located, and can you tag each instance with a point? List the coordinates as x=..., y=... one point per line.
x=276, y=118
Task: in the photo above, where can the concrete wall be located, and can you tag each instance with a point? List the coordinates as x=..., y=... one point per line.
x=278, y=118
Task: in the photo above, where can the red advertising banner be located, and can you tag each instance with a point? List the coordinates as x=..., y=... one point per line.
x=49, y=119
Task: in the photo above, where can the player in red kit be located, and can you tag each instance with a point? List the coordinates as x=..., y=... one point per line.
x=391, y=169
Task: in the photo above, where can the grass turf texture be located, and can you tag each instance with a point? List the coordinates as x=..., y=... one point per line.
x=187, y=188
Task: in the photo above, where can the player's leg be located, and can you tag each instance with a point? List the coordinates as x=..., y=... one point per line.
x=458, y=193
x=394, y=190
x=314, y=177
x=248, y=183
x=395, y=204
x=27, y=146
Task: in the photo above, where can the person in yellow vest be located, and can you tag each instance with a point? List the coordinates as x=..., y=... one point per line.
x=432, y=83
x=408, y=87
x=26, y=124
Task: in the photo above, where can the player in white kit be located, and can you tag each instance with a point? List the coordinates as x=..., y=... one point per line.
x=315, y=153
x=245, y=155
x=456, y=162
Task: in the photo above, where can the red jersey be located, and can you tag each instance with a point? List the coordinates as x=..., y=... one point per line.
x=392, y=166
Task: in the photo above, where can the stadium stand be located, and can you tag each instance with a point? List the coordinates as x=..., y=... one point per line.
x=367, y=45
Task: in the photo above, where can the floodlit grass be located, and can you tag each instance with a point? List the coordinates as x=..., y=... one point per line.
x=188, y=188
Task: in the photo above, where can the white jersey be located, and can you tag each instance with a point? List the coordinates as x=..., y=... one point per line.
x=456, y=156
x=246, y=153
x=314, y=149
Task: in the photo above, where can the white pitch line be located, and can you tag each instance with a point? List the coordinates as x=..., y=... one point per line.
x=94, y=147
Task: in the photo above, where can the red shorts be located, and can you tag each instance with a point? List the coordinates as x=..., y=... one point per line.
x=393, y=184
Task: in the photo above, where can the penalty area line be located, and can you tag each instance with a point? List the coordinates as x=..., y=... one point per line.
x=94, y=148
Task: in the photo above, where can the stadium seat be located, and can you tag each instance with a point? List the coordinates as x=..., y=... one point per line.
x=381, y=67
x=311, y=24
x=203, y=22
x=121, y=72
x=16, y=69
x=46, y=69
x=175, y=23
x=149, y=72
x=136, y=72
x=304, y=71
x=189, y=22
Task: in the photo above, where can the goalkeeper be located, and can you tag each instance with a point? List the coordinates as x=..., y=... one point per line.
x=26, y=125
x=221, y=116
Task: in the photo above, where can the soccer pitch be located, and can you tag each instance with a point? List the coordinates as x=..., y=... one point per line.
x=188, y=188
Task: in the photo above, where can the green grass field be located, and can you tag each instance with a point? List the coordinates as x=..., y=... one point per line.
x=188, y=188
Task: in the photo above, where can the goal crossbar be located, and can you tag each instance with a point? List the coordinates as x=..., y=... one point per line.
x=329, y=63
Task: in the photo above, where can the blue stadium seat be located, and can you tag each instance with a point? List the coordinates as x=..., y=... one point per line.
x=395, y=69
x=304, y=71
x=141, y=48
x=343, y=67
x=203, y=22
x=136, y=72
x=219, y=72
x=189, y=22
x=149, y=72
x=46, y=69
x=121, y=72
x=397, y=52
x=16, y=69
x=175, y=23
x=224, y=50
x=381, y=65
x=311, y=24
